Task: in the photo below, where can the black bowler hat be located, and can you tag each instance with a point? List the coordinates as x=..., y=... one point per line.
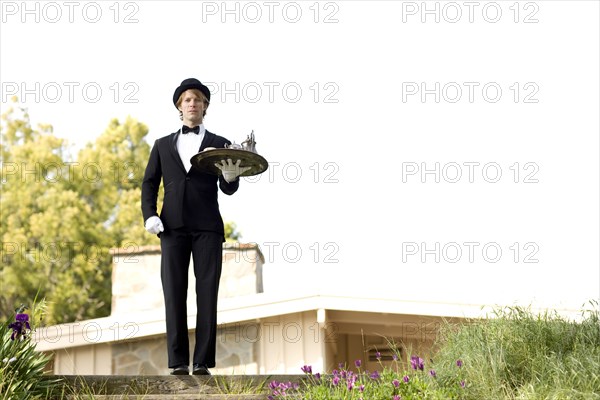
x=190, y=83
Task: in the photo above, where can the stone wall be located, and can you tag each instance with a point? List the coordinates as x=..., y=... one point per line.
x=149, y=356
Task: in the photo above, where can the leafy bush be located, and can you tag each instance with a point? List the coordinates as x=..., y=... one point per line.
x=21, y=367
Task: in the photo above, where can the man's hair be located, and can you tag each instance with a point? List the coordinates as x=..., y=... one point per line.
x=197, y=93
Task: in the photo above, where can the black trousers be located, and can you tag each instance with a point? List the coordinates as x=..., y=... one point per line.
x=206, y=248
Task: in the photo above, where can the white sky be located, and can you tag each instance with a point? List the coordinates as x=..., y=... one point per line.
x=338, y=147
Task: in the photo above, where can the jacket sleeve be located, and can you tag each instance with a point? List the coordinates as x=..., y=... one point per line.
x=151, y=183
x=229, y=188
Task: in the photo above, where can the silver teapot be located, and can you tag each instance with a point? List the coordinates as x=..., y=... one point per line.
x=249, y=144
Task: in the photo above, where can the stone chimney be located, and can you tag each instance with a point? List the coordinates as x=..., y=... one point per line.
x=136, y=285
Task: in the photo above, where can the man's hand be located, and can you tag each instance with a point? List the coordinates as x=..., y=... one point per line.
x=230, y=170
x=154, y=225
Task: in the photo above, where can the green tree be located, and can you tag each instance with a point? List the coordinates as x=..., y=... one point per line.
x=60, y=218
x=119, y=156
x=231, y=232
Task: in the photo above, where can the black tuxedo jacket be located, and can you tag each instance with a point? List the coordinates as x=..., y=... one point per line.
x=190, y=198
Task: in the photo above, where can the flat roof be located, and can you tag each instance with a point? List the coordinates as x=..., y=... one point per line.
x=124, y=326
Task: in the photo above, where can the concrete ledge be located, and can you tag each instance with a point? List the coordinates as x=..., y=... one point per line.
x=167, y=386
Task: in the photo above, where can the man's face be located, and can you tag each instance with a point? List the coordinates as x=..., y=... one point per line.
x=192, y=107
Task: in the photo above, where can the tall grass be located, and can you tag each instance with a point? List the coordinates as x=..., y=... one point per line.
x=518, y=354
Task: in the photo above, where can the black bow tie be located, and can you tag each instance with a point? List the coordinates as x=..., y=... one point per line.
x=187, y=129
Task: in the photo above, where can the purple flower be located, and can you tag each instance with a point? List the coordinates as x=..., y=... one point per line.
x=459, y=363
x=307, y=369
x=432, y=373
x=375, y=375
x=318, y=375
x=405, y=378
x=397, y=397
x=279, y=388
x=395, y=357
x=335, y=380
x=417, y=363
x=396, y=382
x=361, y=388
x=20, y=326
x=350, y=385
x=462, y=383
x=358, y=363
x=23, y=318
x=351, y=376
x=378, y=356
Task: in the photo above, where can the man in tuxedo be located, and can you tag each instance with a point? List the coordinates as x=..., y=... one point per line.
x=189, y=224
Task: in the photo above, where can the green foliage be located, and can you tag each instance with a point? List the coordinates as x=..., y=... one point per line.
x=120, y=155
x=231, y=232
x=521, y=354
x=21, y=367
x=238, y=385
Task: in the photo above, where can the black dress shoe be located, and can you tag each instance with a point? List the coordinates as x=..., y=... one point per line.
x=181, y=370
x=200, y=370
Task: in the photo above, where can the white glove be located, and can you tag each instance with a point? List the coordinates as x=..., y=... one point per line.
x=154, y=225
x=230, y=170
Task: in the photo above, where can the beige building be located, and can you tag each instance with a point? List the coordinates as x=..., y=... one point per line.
x=259, y=332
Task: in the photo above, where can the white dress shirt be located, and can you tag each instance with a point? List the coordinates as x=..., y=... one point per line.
x=188, y=145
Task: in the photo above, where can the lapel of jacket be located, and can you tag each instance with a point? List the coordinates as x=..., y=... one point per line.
x=207, y=140
x=174, y=152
